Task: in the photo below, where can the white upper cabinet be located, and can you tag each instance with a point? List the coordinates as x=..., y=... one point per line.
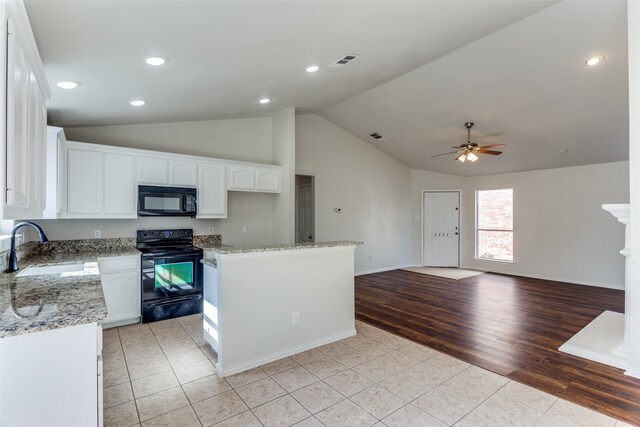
x=120, y=194
x=212, y=190
x=247, y=177
x=84, y=182
x=242, y=177
x=23, y=95
x=55, y=172
x=152, y=170
x=183, y=173
x=268, y=179
x=101, y=182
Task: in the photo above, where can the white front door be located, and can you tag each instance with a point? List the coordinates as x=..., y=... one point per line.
x=304, y=213
x=441, y=228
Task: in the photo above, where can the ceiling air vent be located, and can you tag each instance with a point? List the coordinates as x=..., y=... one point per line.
x=377, y=136
x=344, y=60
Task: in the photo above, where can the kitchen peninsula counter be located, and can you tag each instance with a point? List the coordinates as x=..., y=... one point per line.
x=263, y=303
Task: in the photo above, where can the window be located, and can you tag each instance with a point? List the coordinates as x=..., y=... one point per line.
x=494, y=225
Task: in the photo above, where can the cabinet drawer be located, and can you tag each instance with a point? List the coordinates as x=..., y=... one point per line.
x=108, y=265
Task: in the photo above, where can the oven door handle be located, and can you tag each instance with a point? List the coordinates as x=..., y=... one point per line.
x=185, y=255
x=174, y=300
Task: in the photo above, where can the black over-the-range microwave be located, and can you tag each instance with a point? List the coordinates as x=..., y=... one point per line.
x=167, y=201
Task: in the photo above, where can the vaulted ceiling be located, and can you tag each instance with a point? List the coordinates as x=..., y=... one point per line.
x=515, y=68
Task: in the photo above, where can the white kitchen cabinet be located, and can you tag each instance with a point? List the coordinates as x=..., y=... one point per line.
x=50, y=378
x=183, y=173
x=119, y=185
x=242, y=177
x=247, y=177
x=120, y=277
x=54, y=175
x=152, y=170
x=84, y=182
x=23, y=106
x=212, y=190
x=268, y=179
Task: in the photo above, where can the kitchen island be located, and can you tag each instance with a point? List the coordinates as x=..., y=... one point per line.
x=263, y=303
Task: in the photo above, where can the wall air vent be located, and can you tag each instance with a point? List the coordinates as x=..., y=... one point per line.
x=377, y=136
x=344, y=60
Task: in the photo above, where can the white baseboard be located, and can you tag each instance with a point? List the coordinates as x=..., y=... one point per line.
x=380, y=270
x=633, y=372
x=123, y=322
x=225, y=372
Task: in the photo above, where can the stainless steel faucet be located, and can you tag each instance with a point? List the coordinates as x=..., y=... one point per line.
x=13, y=258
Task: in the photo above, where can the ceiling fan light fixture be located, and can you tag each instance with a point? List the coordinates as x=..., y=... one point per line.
x=462, y=157
x=472, y=157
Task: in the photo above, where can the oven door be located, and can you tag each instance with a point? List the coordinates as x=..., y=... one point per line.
x=170, y=276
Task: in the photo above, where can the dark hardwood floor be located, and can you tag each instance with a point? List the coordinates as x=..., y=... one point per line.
x=509, y=325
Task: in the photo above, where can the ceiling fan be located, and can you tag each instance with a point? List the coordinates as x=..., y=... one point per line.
x=470, y=150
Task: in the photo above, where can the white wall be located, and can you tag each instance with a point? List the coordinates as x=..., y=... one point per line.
x=371, y=188
x=633, y=293
x=284, y=154
x=561, y=231
x=241, y=139
x=425, y=180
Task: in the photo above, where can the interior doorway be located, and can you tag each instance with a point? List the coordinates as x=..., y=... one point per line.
x=441, y=228
x=305, y=209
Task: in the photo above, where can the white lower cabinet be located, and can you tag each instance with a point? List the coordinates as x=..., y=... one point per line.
x=212, y=190
x=51, y=378
x=120, y=277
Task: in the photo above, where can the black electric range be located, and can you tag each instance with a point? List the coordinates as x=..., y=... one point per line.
x=171, y=274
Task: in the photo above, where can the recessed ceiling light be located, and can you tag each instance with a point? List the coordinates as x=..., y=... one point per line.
x=312, y=68
x=564, y=150
x=594, y=60
x=68, y=85
x=138, y=103
x=264, y=101
x=156, y=61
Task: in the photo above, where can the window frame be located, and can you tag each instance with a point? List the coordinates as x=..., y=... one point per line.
x=477, y=230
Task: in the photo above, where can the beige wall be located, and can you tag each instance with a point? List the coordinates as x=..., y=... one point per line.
x=561, y=231
x=371, y=188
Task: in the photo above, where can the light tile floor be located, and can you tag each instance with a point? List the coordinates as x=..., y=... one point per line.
x=162, y=374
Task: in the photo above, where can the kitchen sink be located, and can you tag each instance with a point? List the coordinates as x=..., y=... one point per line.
x=51, y=269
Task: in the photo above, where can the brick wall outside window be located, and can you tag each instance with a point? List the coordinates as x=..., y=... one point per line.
x=494, y=224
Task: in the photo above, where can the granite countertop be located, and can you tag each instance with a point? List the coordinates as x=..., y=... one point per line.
x=223, y=250
x=44, y=302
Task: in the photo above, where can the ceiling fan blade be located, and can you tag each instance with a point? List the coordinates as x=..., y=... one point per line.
x=445, y=154
x=492, y=146
x=492, y=152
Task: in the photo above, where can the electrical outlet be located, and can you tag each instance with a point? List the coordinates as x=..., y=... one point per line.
x=210, y=230
x=19, y=238
x=97, y=234
x=295, y=317
x=244, y=228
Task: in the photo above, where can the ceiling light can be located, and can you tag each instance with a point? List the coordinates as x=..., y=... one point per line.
x=264, y=100
x=312, y=68
x=594, y=60
x=138, y=102
x=68, y=84
x=155, y=61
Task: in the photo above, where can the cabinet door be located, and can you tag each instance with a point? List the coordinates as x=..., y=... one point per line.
x=212, y=190
x=36, y=147
x=119, y=185
x=122, y=295
x=268, y=180
x=18, y=75
x=84, y=182
x=152, y=170
x=183, y=173
x=242, y=178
